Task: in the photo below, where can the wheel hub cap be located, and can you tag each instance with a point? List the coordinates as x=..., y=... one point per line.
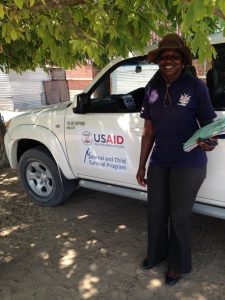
x=39, y=179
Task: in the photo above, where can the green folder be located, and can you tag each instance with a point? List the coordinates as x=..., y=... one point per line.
x=213, y=129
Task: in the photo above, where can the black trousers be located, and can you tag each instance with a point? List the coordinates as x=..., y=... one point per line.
x=171, y=195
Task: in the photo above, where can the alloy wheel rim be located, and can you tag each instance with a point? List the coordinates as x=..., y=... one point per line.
x=39, y=179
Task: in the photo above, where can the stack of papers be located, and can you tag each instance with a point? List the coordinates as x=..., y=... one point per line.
x=213, y=129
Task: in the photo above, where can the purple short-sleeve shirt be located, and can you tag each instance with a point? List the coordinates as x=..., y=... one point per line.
x=174, y=124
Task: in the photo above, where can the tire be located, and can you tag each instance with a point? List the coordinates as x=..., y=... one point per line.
x=42, y=179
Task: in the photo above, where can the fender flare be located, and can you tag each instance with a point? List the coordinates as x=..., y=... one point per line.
x=46, y=137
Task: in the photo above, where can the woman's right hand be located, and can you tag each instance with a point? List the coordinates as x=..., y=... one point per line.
x=147, y=141
x=141, y=177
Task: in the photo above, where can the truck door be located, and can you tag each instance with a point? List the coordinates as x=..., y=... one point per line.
x=212, y=190
x=104, y=144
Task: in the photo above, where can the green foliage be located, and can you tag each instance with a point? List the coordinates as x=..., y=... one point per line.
x=199, y=18
x=19, y=3
x=68, y=32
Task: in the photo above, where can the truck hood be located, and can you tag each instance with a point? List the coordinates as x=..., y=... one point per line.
x=46, y=116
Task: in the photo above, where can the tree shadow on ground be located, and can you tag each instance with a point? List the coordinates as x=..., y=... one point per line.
x=91, y=247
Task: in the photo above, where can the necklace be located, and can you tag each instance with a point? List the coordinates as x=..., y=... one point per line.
x=167, y=99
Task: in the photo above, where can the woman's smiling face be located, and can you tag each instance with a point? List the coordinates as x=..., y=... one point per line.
x=171, y=64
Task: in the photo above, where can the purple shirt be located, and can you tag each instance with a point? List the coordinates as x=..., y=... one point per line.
x=174, y=125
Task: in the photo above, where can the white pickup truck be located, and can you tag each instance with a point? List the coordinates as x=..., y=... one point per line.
x=94, y=142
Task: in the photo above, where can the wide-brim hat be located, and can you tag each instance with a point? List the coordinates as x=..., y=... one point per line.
x=171, y=41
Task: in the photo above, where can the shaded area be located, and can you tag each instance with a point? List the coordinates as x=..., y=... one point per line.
x=3, y=158
x=91, y=248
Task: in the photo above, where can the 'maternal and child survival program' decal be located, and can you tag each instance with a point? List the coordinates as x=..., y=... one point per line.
x=104, y=151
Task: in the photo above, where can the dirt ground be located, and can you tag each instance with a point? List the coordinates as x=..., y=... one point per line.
x=91, y=247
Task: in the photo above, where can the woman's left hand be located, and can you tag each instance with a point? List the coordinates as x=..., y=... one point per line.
x=207, y=144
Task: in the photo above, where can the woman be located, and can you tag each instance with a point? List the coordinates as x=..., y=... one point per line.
x=175, y=104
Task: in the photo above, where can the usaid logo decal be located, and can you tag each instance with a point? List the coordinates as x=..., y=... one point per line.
x=86, y=138
x=108, y=139
x=102, y=139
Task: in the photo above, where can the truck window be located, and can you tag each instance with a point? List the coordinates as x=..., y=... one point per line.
x=215, y=79
x=122, y=90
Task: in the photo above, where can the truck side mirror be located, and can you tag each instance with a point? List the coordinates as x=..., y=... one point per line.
x=138, y=69
x=83, y=104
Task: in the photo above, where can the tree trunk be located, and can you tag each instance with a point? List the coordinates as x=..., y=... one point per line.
x=3, y=158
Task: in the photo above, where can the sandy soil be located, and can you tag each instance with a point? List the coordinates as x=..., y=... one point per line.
x=91, y=247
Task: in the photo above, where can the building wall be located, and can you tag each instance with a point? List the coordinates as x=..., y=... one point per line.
x=79, y=78
x=6, y=102
x=28, y=89
x=19, y=92
x=24, y=91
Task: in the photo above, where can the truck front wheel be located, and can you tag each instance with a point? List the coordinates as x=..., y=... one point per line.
x=42, y=179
